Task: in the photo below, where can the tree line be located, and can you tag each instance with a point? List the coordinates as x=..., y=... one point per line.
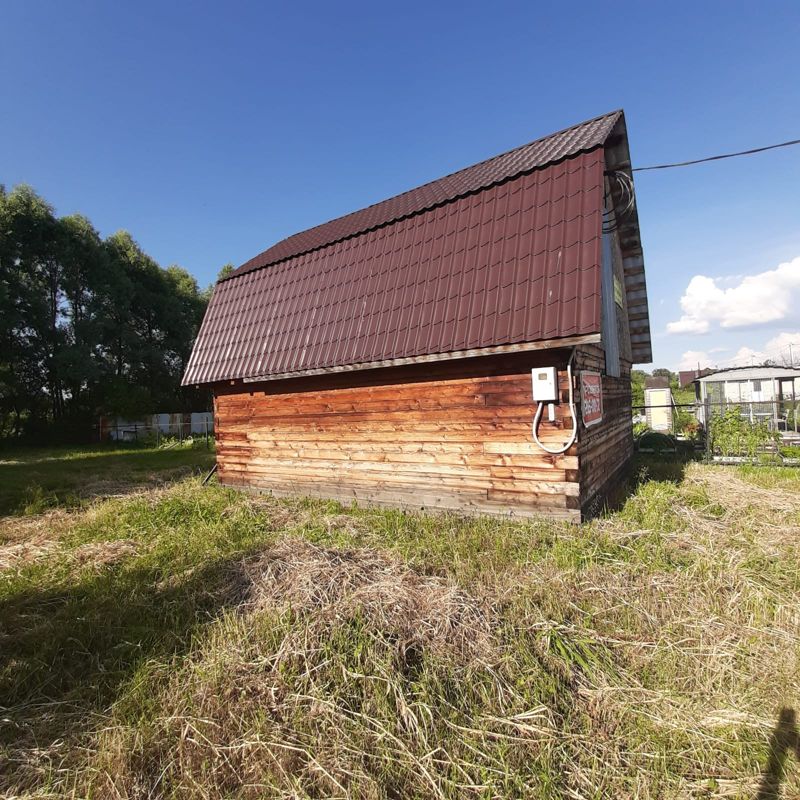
x=88, y=326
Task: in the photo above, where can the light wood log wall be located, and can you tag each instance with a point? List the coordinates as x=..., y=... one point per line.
x=455, y=435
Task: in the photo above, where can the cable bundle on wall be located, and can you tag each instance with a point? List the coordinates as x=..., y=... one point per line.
x=616, y=214
x=538, y=416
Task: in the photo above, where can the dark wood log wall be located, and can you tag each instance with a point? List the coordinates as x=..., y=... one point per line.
x=604, y=450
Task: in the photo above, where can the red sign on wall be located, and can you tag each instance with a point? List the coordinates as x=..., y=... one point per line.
x=591, y=398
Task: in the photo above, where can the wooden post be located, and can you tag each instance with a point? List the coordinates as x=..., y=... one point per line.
x=776, y=402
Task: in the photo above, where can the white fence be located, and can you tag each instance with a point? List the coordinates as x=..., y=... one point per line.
x=181, y=426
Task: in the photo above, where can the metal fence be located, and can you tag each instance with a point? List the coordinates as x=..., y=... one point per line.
x=175, y=433
x=152, y=432
x=736, y=432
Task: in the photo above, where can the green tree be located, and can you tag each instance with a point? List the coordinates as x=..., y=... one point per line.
x=87, y=326
x=225, y=271
x=30, y=303
x=661, y=372
x=638, y=378
x=83, y=264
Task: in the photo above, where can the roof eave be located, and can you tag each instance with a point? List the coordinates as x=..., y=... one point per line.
x=458, y=355
x=618, y=158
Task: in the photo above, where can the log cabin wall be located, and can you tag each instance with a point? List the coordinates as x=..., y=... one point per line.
x=453, y=435
x=605, y=449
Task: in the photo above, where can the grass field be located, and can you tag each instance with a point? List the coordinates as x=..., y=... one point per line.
x=181, y=641
x=33, y=480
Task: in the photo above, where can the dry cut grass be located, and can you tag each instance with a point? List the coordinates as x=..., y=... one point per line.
x=264, y=648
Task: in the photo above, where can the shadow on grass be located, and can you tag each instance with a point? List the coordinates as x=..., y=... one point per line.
x=66, y=653
x=50, y=478
x=785, y=738
x=643, y=468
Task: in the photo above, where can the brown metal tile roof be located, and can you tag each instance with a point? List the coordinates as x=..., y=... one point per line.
x=516, y=262
x=547, y=150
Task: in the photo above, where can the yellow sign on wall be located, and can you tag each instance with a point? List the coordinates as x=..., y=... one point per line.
x=618, y=291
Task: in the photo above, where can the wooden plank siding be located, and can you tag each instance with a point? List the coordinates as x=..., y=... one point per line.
x=604, y=450
x=455, y=435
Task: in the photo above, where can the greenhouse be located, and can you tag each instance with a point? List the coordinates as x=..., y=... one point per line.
x=762, y=394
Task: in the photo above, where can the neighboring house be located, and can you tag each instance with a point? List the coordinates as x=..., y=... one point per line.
x=687, y=377
x=659, y=406
x=762, y=393
x=388, y=356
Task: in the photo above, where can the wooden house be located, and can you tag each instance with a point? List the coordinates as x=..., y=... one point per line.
x=391, y=356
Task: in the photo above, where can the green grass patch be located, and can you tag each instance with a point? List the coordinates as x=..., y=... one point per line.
x=787, y=478
x=196, y=641
x=34, y=480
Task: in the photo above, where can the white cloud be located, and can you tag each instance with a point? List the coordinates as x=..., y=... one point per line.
x=781, y=349
x=688, y=324
x=745, y=356
x=776, y=349
x=692, y=358
x=771, y=296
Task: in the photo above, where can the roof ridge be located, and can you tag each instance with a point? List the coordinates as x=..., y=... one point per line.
x=499, y=155
x=283, y=249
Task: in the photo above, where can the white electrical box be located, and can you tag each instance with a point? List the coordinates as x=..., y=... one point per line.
x=545, y=384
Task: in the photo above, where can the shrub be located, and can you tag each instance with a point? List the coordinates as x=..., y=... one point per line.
x=790, y=451
x=639, y=428
x=733, y=434
x=657, y=442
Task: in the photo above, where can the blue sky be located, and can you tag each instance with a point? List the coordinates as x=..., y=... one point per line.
x=210, y=131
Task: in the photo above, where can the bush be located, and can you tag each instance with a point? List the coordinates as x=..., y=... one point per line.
x=656, y=442
x=788, y=451
x=733, y=434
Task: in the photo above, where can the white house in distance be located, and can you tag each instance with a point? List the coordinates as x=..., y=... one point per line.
x=768, y=393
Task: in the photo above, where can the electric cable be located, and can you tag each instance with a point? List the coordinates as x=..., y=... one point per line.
x=718, y=158
x=537, y=417
x=615, y=215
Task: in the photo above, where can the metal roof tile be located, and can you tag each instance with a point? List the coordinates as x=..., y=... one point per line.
x=547, y=150
x=514, y=258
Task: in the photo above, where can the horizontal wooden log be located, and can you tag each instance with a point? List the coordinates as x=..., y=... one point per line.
x=461, y=503
x=458, y=438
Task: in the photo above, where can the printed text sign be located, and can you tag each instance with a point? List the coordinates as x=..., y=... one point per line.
x=591, y=398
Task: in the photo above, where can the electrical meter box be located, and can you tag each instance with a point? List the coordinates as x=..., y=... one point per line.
x=545, y=384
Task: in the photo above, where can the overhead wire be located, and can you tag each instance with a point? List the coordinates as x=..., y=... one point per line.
x=773, y=354
x=615, y=215
x=719, y=157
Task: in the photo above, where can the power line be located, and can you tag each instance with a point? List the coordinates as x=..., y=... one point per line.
x=718, y=158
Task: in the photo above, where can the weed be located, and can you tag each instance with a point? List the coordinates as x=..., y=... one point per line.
x=189, y=641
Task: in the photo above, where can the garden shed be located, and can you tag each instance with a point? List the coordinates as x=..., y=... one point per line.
x=464, y=345
x=659, y=404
